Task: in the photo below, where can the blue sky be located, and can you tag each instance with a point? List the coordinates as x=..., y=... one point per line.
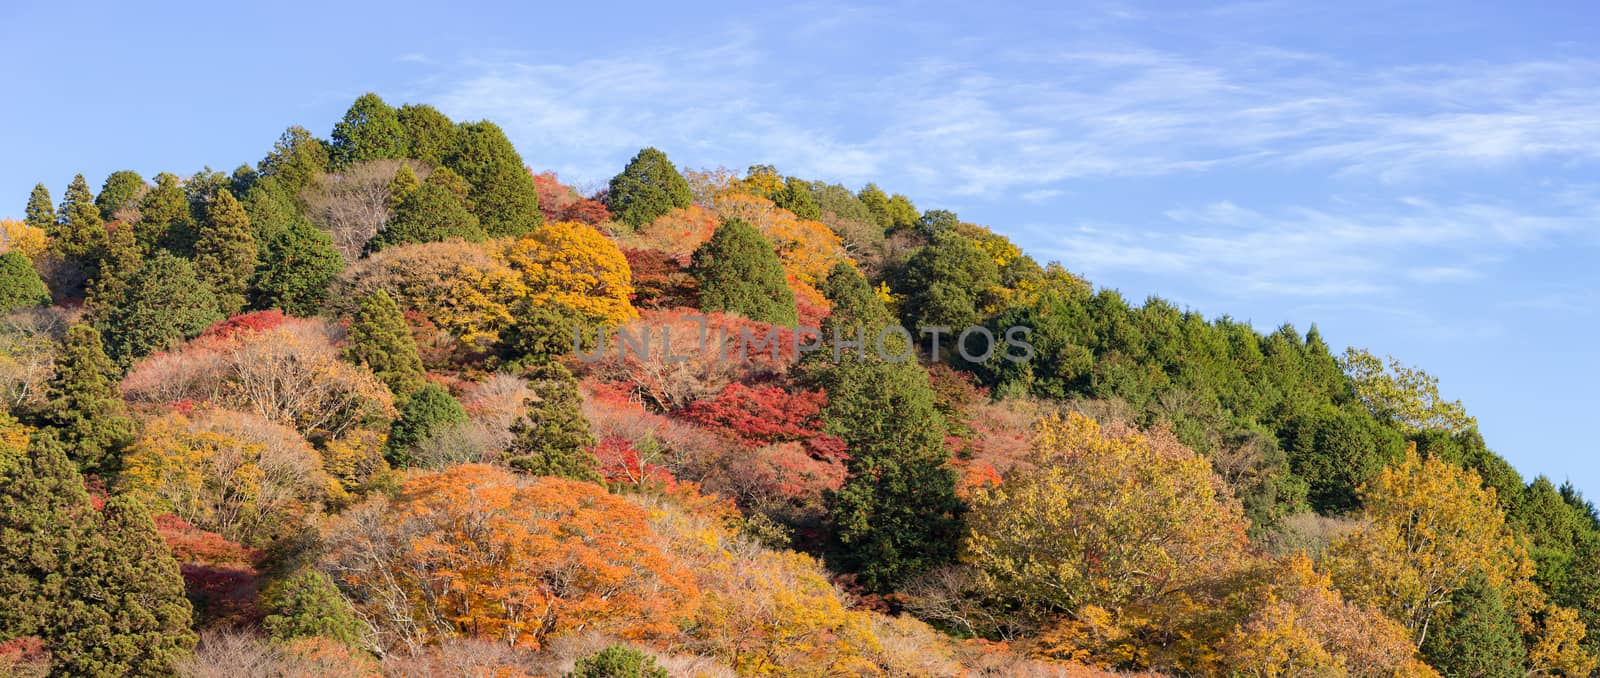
x=1421, y=182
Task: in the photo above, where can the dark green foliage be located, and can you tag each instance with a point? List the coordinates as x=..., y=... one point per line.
x=307, y=604
x=937, y=223
x=85, y=407
x=131, y=617
x=243, y=179
x=20, y=285
x=45, y=517
x=1337, y=450
x=225, y=254
x=428, y=412
x=380, y=339
x=119, y=261
x=164, y=217
x=270, y=210
x=167, y=304
x=296, y=159
x=434, y=212
x=79, y=232
x=553, y=437
x=370, y=130
x=430, y=135
x=617, y=661
x=796, y=196
x=40, y=214
x=1479, y=638
x=840, y=202
x=543, y=333
x=854, y=304
x=946, y=282
x=897, y=514
x=740, y=273
x=647, y=188
x=503, y=193
x=297, y=265
x=122, y=191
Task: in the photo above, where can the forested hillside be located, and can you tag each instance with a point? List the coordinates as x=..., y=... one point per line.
x=376, y=405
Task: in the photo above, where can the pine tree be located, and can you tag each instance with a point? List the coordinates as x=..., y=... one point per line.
x=552, y=438
x=44, y=518
x=20, y=284
x=306, y=604
x=429, y=411
x=647, y=188
x=504, y=195
x=430, y=135
x=122, y=191
x=85, y=406
x=380, y=339
x=740, y=273
x=41, y=213
x=298, y=264
x=120, y=260
x=167, y=304
x=225, y=255
x=131, y=617
x=617, y=661
x=78, y=233
x=164, y=218
x=370, y=130
x=434, y=212
x=1480, y=637
x=296, y=159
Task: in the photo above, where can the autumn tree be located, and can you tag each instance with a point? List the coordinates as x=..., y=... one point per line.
x=119, y=196
x=85, y=407
x=225, y=255
x=353, y=205
x=739, y=273
x=552, y=438
x=298, y=264
x=370, y=130
x=428, y=411
x=20, y=284
x=435, y=211
x=570, y=265
x=1392, y=390
x=166, y=304
x=503, y=194
x=380, y=340
x=646, y=189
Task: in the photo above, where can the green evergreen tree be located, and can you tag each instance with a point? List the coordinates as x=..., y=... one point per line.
x=1479, y=638
x=164, y=218
x=404, y=183
x=503, y=193
x=370, y=130
x=41, y=213
x=854, y=304
x=20, y=284
x=740, y=273
x=225, y=255
x=430, y=135
x=797, y=196
x=429, y=411
x=434, y=212
x=45, y=516
x=298, y=264
x=129, y=614
x=380, y=340
x=79, y=233
x=120, y=260
x=945, y=282
x=269, y=210
x=647, y=188
x=85, y=406
x=307, y=604
x=167, y=305
x=122, y=190
x=617, y=661
x=296, y=159
x=553, y=438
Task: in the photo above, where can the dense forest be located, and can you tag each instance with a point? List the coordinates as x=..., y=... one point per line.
x=352, y=411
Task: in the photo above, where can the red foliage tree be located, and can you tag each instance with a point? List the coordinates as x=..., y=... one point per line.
x=765, y=415
x=245, y=323
x=220, y=576
x=661, y=279
x=560, y=202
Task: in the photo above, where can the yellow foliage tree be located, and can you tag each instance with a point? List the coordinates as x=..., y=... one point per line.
x=456, y=285
x=18, y=236
x=570, y=264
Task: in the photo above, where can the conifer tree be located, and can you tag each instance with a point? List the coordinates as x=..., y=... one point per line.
x=380, y=340
x=164, y=218
x=796, y=196
x=44, y=518
x=85, y=406
x=307, y=604
x=740, y=273
x=434, y=212
x=120, y=260
x=20, y=285
x=167, y=304
x=370, y=130
x=225, y=255
x=647, y=188
x=430, y=135
x=296, y=159
x=130, y=616
x=121, y=191
x=553, y=438
x=617, y=661
x=298, y=263
x=41, y=213
x=78, y=233
x=403, y=184
x=428, y=411
x=503, y=195
x=1479, y=638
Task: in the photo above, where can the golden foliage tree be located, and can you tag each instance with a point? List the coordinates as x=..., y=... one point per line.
x=570, y=264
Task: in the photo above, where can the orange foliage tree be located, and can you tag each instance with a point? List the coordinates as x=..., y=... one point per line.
x=808, y=249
